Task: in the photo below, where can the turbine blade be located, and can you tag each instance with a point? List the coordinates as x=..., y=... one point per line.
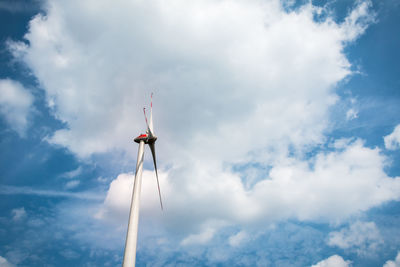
x=148, y=127
x=153, y=152
x=151, y=114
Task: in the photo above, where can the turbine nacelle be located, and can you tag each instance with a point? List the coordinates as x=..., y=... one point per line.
x=146, y=138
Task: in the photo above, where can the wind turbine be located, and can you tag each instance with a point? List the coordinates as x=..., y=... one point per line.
x=131, y=236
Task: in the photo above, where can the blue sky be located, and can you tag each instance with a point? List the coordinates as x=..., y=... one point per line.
x=277, y=121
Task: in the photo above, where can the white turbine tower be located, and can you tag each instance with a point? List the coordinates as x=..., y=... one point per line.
x=131, y=236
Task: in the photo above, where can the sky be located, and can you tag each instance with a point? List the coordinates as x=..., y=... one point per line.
x=277, y=121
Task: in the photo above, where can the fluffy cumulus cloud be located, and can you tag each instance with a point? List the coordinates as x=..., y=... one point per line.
x=118, y=198
x=393, y=263
x=306, y=190
x=333, y=261
x=392, y=141
x=237, y=84
x=15, y=105
x=217, y=67
x=363, y=236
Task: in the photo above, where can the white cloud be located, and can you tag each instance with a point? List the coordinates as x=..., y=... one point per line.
x=201, y=238
x=236, y=82
x=364, y=237
x=230, y=65
x=238, y=239
x=18, y=214
x=358, y=20
x=342, y=143
x=15, y=105
x=73, y=174
x=351, y=114
x=118, y=197
x=333, y=261
x=308, y=190
x=392, y=141
x=303, y=190
x=395, y=263
x=72, y=184
x=117, y=201
x=5, y=263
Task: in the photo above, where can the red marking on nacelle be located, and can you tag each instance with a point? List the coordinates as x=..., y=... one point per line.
x=142, y=136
